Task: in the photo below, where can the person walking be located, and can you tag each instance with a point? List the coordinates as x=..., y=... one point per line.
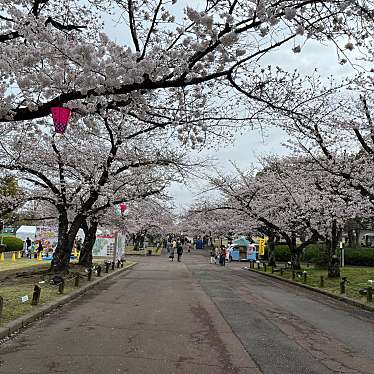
x=171, y=254
x=28, y=246
x=179, y=251
x=222, y=257
x=212, y=256
x=39, y=250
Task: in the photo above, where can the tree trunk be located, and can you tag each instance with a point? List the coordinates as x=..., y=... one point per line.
x=295, y=254
x=271, y=247
x=350, y=237
x=357, y=243
x=85, y=258
x=66, y=237
x=333, y=259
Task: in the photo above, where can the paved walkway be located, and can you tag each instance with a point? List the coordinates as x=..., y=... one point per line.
x=195, y=318
x=153, y=319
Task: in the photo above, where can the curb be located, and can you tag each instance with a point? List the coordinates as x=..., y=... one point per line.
x=23, y=321
x=320, y=291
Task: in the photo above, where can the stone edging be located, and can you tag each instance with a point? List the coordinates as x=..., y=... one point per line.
x=318, y=290
x=21, y=322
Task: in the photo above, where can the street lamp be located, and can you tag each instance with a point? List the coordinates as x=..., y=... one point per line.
x=60, y=117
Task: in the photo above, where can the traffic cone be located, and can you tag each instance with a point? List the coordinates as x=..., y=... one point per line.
x=2, y=257
x=13, y=256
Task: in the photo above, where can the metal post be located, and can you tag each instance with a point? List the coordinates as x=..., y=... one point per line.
x=107, y=264
x=305, y=276
x=118, y=263
x=281, y=272
x=76, y=280
x=342, y=286
x=321, y=281
x=258, y=265
x=61, y=286
x=293, y=274
x=370, y=294
x=89, y=275
x=1, y=306
x=265, y=268
x=36, y=295
x=113, y=264
x=98, y=271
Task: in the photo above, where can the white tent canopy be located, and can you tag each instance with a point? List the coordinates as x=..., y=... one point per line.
x=25, y=232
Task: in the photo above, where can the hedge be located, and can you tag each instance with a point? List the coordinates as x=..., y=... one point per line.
x=12, y=243
x=313, y=253
x=359, y=256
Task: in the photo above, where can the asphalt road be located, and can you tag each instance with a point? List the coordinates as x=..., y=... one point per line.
x=196, y=318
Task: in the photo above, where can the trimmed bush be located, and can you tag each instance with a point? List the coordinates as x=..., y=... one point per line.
x=359, y=256
x=12, y=243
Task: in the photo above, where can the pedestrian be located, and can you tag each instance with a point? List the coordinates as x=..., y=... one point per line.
x=171, y=254
x=212, y=256
x=222, y=257
x=28, y=246
x=179, y=251
x=168, y=246
x=39, y=250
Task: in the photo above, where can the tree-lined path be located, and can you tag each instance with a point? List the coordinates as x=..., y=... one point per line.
x=193, y=317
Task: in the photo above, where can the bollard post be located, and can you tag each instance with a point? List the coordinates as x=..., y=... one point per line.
x=272, y=270
x=118, y=263
x=293, y=274
x=1, y=306
x=76, y=280
x=36, y=295
x=121, y=264
x=98, y=270
x=321, y=281
x=281, y=272
x=342, y=287
x=258, y=265
x=305, y=274
x=107, y=264
x=89, y=275
x=113, y=264
x=265, y=268
x=61, y=286
x=370, y=294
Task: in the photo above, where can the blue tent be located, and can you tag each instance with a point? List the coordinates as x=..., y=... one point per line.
x=241, y=242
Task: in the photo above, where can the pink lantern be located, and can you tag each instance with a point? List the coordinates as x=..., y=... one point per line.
x=122, y=207
x=60, y=117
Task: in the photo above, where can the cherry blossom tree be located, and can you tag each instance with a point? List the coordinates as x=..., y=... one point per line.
x=295, y=198
x=94, y=166
x=169, y=63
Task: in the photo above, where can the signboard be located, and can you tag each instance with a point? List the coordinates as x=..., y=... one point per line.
x=261, y=245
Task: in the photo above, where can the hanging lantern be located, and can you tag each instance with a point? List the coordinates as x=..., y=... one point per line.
x=122, y=208
x=60, y=117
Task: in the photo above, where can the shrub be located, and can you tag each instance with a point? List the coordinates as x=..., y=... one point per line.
x=12, y=243
x=359, y=256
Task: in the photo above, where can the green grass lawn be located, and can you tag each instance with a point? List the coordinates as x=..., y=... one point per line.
x=22, y=263
x=13, y=288
x=129, y=250
x=357, y=277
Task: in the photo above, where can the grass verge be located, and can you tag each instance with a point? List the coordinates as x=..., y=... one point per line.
x=13, y=288
x=22, y=264
x=357, y=279
x=129, y=250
